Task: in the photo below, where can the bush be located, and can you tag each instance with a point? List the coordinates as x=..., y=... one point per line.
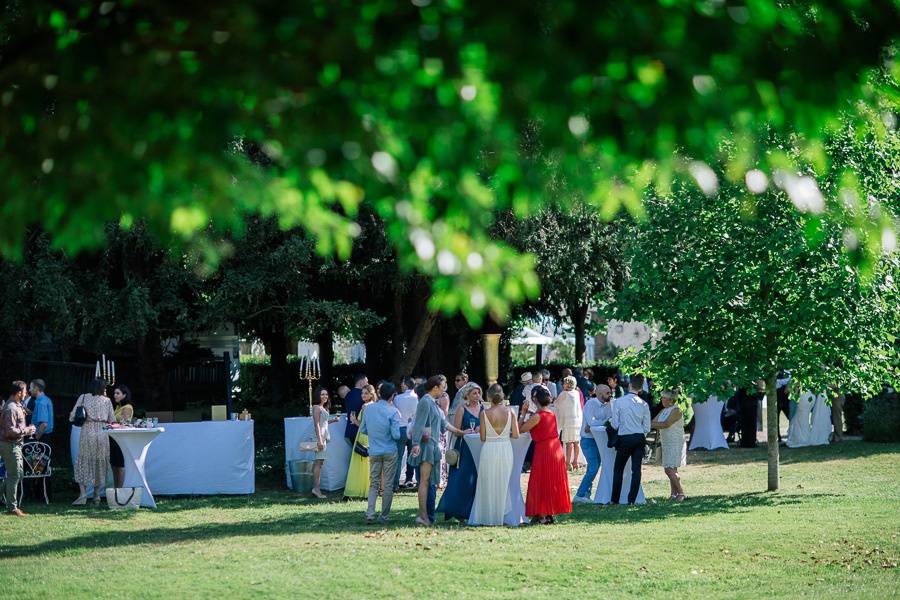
x=881, y=418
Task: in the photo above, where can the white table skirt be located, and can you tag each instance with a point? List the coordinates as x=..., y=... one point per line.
x=708, y=425
x=337, y=450
x=135, y=443
x=209, y=457
x=516, y=515
x=603, y=495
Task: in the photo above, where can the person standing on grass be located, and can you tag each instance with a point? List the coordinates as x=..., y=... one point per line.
x=405, y=402
x=548, y=484
x=382, y=425
x=569, y=418
x=321, y=420
x=430, y=422
x=596, y=412
x=670, y=423
x=12, y=436
x=631, y=418
x=460, y=381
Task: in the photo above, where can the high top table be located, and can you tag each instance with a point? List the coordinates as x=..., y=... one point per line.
x=516, y=514
x=603, y=495
x=134, y=444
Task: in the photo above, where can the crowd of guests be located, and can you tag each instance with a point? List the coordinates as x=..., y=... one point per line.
x=27, y=415
x=418, y=430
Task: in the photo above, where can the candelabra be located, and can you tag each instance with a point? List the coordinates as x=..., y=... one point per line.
x=310, y=370
x=106, y=369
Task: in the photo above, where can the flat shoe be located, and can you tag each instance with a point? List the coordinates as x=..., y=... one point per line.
x=80, y=501
x=423, y=522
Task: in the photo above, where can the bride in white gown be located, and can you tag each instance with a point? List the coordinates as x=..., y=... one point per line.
x=492, y=500
x=800, y=430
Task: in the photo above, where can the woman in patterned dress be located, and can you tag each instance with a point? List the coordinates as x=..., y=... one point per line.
x=93, y=445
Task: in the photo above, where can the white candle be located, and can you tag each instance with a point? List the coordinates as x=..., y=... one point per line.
x=302, y=361
x=97, y=372
x=103, y=367
x=318, y=368
x=112, y=369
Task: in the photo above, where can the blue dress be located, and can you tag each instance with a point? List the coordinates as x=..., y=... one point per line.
x=461, y=483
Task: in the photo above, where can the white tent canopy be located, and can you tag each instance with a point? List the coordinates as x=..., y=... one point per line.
x=532, y=337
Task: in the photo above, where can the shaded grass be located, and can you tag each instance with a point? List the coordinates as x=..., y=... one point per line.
x=832, y=531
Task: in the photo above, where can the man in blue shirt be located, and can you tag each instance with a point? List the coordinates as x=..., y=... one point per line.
x=42, y=411
x=382, y=425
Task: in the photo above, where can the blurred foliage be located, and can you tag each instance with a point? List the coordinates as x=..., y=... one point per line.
x=438, y=113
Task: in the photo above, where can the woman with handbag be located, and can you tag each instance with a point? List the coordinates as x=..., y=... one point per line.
x=357, y=485
x=321, y=420
x=670, y=423
x=430, y=422
x=456, y=502
x=93, y=445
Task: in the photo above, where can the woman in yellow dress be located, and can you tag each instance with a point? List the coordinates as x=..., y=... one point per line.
x=357, y=485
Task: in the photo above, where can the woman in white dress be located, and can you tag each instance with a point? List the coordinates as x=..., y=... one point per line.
x=820, y=430
x=799, y=431
x=670, y=423
x=492, y=500
x=568, y=419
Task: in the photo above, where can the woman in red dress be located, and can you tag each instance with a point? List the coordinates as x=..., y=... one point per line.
x=548, y=484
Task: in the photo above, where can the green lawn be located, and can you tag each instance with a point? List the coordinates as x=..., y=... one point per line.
x=832, y=531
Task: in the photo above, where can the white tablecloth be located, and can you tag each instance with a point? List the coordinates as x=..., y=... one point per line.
x=708, y=425
x=135, y=444
x=337, y=451
x=603, y=495
x=516, y=515
x=209, y=457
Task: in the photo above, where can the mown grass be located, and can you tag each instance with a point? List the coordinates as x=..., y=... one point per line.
x=832, y=531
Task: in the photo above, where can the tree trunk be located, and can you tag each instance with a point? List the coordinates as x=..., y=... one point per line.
x=416, y=345
x=579, y=320
x=276, y=342
x=539, y=354
x=772, y=429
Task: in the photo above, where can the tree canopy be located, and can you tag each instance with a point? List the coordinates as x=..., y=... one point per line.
x=439, y=113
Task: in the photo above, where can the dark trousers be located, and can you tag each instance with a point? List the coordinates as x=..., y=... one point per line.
x=630, y=446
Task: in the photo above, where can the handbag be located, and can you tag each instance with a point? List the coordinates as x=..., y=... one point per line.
x=80, y=413
x=613, y=436
x=361, y=449
x=121, y=498
x=309, y=446
x=451, y=457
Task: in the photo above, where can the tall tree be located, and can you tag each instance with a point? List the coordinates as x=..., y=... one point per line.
x=578, y=261
x=741, y=293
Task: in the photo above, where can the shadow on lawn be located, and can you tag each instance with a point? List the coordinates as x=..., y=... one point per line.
x=306, y=522
x=351, y=522
x=694, y=506
x=842, y=451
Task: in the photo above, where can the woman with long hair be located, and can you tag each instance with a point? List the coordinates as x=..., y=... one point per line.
x=123, y=413
x=357, y=485
x=93, y=444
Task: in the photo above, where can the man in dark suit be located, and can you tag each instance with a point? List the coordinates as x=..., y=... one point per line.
x=352, y=405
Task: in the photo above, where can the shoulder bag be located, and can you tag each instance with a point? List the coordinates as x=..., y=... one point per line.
x=80, y=412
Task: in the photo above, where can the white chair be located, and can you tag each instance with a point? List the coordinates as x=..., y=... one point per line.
x=36, y=465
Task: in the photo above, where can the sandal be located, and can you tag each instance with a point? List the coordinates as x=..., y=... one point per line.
x=423, y=522
x=318, y=494
x=80, y=501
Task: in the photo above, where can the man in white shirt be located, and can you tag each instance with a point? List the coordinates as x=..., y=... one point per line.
x=596, y=413
x=554, y=392
x=405, y=402
x=631, y=418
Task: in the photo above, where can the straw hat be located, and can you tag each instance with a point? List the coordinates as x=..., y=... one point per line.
x=525, y=377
